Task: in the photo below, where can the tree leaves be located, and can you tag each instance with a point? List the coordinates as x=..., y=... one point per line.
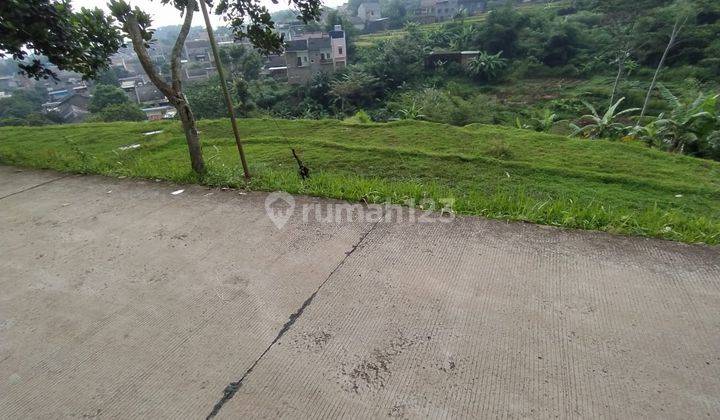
x=251, y=19
x=75, y=41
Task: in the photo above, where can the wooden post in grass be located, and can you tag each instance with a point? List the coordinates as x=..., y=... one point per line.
x=228, y=100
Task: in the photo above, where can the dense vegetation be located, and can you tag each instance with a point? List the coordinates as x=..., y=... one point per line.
x=540, y=67
x=493, y=171
x=547, y=67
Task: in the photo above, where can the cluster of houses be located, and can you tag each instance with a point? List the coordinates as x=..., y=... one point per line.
x=369, y=16
x=306, y=54
x=431, y=11
x=69, y=95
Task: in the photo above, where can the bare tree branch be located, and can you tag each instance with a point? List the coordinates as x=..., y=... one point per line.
x=677, y=27
x=175, y=64
x=133, y=29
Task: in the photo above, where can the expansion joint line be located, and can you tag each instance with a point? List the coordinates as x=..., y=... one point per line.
x=35, y=186
x=233, y=387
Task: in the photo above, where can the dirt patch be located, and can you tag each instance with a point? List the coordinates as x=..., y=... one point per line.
x=373, y=371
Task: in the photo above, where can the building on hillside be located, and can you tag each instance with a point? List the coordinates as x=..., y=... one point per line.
x=8, y=83
x=357, y=22
x=155, y=113
x=71, y=109
x=127, y=61
x=290, y=31
x=198, y=72
x=198, y=51
x=275, y=66
x=431, y=11
x=472, y=7
x=368, y=18
x=377, y=25
x=149, y=95
x=58, y=94
x=440, y=58
x=369, y=11
x=130, y=81
x=316, y=53
x=13, y=82
x=143, y=93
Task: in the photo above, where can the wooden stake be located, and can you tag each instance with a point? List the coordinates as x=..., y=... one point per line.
x=228, y=100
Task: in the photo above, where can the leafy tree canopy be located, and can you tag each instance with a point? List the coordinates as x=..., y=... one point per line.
x=105, y=96
x=250, y=19
x=76, y=41
x=22, y=103
x=120, y=112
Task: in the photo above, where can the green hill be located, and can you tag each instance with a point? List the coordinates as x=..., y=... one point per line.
x=492, y=171
x=372, y=39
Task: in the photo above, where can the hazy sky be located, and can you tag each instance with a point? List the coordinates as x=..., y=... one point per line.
x=168, y=15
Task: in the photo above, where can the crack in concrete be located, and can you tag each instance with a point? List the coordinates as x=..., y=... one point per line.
x=233, y=387
x=34, y=186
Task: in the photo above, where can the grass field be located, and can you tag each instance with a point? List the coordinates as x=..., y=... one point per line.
x=492, y=171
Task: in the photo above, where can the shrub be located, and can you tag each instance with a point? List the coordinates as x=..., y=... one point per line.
x=602, y=126
x=122, y=112
x=362, y=117
x=487, y=67
x=11, y=121
x=499, y=150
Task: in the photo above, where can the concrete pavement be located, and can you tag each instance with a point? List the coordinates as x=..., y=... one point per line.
x=121, y=300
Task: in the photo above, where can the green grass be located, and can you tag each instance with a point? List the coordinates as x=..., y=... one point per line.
x=491, y=171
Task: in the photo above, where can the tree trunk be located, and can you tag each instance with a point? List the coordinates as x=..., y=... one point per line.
x=670, y=44
x=621, y=65
x=173, y=92
x=191, y=135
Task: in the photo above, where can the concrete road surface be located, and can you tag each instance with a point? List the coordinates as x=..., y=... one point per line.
x=122, y=300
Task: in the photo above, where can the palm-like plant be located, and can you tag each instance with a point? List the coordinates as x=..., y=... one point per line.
x=649, y=133
x=439, y=37
x=413, y=112
x=602, y=126
x=487, y=66
x=687, y=123
x=544, y=122
x=464, y=38
x=354, y=85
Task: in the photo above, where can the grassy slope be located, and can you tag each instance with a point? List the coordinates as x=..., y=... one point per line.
x=492, y=171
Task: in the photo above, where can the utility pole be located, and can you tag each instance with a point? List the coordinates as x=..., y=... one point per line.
x=223, y=84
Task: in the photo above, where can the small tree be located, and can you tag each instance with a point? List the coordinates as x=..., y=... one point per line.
x=487, y=67
x=104, y=96
x=602, y=126
x=688, y=123
x=356, y=87
x=258, y=29
x=127, y=111
x=75, y=41
x=84, y=41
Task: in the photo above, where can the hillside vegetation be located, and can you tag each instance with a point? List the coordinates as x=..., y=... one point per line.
x=492, y=171
x=372, y=39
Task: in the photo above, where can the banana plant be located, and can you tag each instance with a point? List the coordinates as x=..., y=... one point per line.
x=689, y=123
x=602, y=126
x=544, y=122
x=651, y=133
